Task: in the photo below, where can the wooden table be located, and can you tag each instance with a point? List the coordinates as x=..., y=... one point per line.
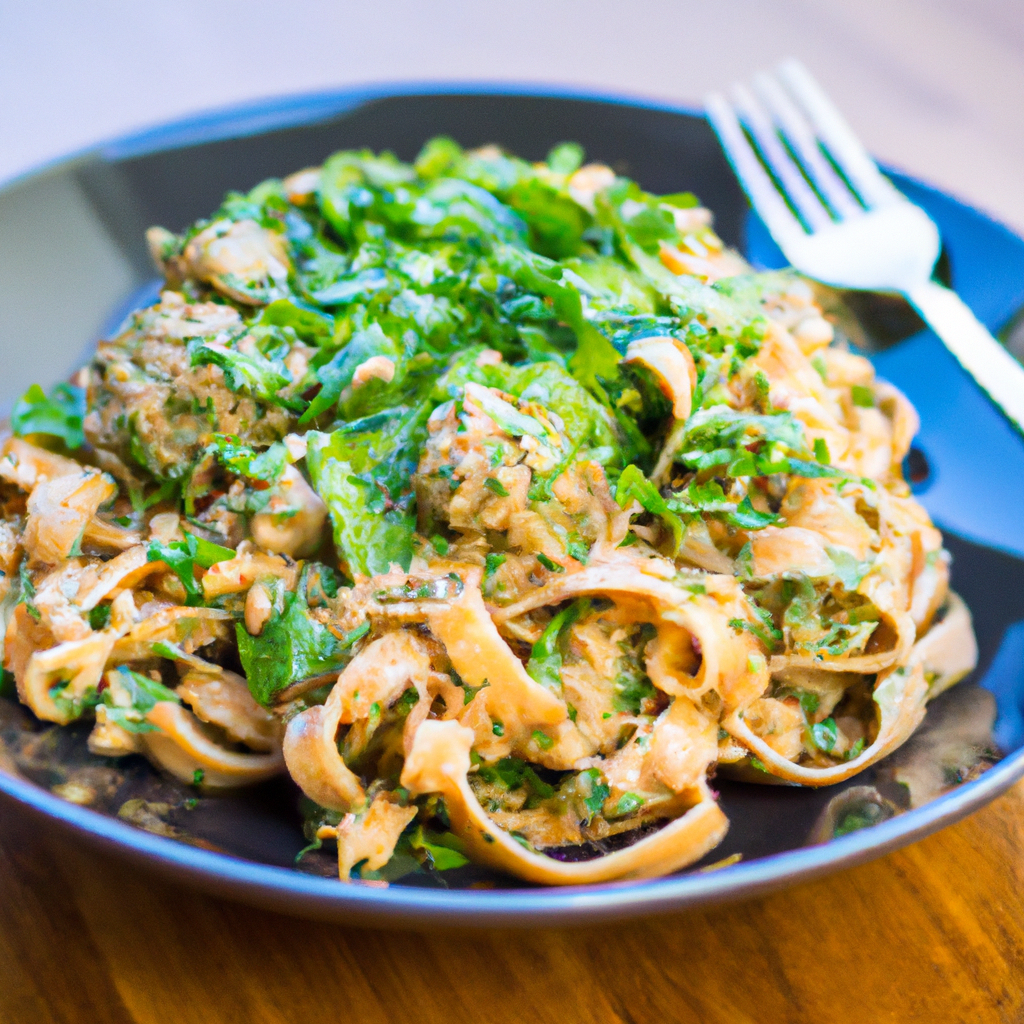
x=931, y=933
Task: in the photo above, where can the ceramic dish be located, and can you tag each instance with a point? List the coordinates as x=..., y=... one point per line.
x=73, y=260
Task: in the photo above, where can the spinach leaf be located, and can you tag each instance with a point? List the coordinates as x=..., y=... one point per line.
x=182, y=556
x=59, y=415
x=545, y=664
x=242, y=460
x=633, y=485
x=254, y=374
x=144, y=694
x=444, y=851
x=309, y=325
x=595, y=356
x=362, y=471
x=292, y=646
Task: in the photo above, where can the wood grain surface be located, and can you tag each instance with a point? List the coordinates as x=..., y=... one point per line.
x=931, y=933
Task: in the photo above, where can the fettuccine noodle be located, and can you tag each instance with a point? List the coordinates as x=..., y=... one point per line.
x=498, y=504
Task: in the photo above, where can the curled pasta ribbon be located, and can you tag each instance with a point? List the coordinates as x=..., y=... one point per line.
x=183, y=747
x=370, y=836
x=900, y=695
x=671, y=362
x=730, y=662
x=947, y=653
x=439, y=763
x=775, y=549
x=483, y=659
x=379, y=674
x=949, y=650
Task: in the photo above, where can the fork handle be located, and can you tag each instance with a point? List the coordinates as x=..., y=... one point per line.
x=998, y=373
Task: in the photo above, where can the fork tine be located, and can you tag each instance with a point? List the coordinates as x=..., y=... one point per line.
x=846, y=149
x=779, y=161
x=759, y=187
x=800, y=137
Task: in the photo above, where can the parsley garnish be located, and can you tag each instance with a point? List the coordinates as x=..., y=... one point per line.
x=549, y=564
x=59, y=415
x=182, y=556
x=495, y=486
x=492, y=563
x=542, y=739
x=627, y=804
x=862, y=396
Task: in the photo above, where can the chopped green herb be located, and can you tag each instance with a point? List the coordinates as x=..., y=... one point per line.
x=542, y=739
x=354, y=636
x=495, y=486
x=824, y=734
x=59, y=415
x=492, y=563
x=549, y=564
x=627, y=804
x=862, y=396
x=99, y=617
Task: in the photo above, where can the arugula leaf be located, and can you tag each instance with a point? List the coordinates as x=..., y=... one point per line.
x=555, y=220
x=291, y=647
x=254, y=374
x=144, y=694
x=59, y=415
x=545, y=664
x=634, y=485
x=444, y=851
x=309, y=325
x=337, y=374
x=242, y=460
x=595, y=356
x=182, y=556
x=709, y=499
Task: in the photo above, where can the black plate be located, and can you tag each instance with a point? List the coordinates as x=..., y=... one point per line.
x=72, y=262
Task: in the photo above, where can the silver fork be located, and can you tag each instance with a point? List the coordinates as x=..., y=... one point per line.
x=838, y=220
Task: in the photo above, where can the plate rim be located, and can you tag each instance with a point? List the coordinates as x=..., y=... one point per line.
x=291, y=891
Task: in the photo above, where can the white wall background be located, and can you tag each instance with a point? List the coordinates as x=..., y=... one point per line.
x=934, y=86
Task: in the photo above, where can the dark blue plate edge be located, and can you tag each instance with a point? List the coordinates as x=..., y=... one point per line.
x=251, y=117
x=292, y=892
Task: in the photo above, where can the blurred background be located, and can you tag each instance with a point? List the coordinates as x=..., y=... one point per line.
x=935, y=87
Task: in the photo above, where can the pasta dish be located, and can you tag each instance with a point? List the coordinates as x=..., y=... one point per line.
x=497, y=503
